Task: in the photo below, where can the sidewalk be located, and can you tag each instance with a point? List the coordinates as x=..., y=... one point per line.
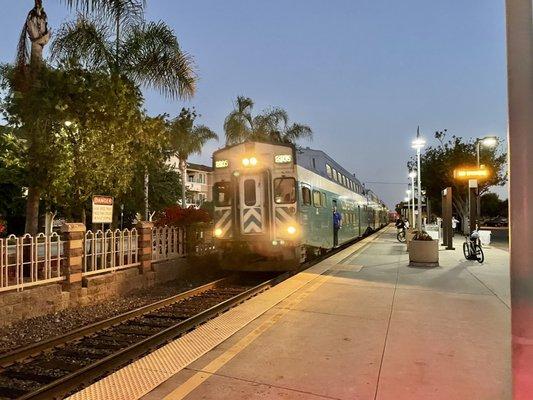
x=360, y=325
x=371, y=328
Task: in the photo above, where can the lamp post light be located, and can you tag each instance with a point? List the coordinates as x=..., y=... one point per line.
x=412, y=175
x=418, y=144
x=487, y=141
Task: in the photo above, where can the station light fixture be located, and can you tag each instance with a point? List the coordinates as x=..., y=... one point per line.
x=412, y=174
x=418, y=143
x=489, y=141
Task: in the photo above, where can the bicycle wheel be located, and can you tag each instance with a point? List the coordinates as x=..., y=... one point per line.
x=466, y=250
x=401, y=237
x=480, y=256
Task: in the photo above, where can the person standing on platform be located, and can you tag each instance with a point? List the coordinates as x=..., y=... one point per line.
x=337, y=224
x=454, y=225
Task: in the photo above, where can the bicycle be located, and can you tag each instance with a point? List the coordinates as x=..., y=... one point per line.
x=472, y=248
x=401, y=235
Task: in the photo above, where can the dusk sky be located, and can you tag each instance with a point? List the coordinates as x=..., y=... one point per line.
x=362, y=73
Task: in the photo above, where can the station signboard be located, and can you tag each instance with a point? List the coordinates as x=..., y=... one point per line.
x=102, y=210
x=471, y=173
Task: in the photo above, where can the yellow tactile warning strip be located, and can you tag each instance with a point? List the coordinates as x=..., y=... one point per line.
x=197, y=379
x=143, y=375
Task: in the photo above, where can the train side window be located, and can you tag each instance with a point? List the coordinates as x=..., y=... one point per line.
x=249, y=192
x=329, y=173
x=306, y=196
x=284, y=190
x=222, y=192
x=324, y=200
x=335, y=176
x=317, y=199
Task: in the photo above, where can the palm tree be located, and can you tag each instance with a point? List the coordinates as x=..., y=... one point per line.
x=187, y=139
x=271, y=125
x=146, y=53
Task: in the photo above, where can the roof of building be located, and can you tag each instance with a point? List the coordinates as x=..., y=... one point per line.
x=199, y=167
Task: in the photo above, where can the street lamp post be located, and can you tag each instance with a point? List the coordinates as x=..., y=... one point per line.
x=412, y=175
x=487, y=141
x=408, y=191
x=418, y=144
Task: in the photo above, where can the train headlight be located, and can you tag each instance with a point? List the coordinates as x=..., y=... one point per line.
x=218, y=232
x=253, y=161
x=245, y=162
x=291, y=230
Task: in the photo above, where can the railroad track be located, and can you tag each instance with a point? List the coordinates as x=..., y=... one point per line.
x=53, y=368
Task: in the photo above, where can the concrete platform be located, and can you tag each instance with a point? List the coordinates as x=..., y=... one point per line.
x=361, y=325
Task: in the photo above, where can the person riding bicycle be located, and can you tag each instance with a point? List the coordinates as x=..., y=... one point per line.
x=400, y=223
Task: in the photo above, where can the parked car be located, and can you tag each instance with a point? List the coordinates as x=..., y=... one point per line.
x=498, y=221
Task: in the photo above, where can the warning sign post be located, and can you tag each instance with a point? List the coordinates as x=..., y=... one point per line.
x=102, y=209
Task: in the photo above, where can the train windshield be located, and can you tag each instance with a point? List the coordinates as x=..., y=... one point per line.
x=222, y=194
x=284, y=190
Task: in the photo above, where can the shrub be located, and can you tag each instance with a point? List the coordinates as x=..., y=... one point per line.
x=177, y=216
x=422, y=235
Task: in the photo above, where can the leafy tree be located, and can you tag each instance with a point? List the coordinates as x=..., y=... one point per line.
x=11, y=181
x=438, y=163
x=493, y=206
x=186, y=139
x=271, y=125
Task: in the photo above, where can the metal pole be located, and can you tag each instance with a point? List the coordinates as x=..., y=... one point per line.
x=419, y=197
x=520, y=141
x=478, y=197
x=413, y=209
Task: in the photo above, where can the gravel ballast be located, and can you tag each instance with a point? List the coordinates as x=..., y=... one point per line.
x=48, y=326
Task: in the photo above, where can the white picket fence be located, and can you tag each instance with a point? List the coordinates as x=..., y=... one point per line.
x=110, y=250
x=168, y=242
x=30, y=260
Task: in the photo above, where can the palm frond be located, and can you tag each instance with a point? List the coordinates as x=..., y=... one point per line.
x=85, y=42
x=126, y=11
x=185, y=138
x=296, y=132
x=151, y=56
x=23, y=52
x=237, y=128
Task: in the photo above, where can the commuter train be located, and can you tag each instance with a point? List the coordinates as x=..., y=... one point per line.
x=273, y=205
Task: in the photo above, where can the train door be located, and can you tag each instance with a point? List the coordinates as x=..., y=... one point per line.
x=253, y=217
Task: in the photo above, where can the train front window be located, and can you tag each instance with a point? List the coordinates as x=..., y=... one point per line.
x=222, y=194
x=249, y=192
x=284, y=190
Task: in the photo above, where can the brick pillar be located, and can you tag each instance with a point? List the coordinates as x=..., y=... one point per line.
x=144, y=229
x=73, y=234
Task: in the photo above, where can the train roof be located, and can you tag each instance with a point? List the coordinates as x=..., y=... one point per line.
x=316, y=160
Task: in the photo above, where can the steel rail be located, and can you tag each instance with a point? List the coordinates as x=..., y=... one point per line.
x=105, y=365
x=39, y=347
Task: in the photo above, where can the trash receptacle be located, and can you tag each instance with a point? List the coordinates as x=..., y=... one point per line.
x=484, y=236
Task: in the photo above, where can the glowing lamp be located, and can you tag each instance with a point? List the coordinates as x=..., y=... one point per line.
x=291, y=230
x=246, y=162
x=218, y=232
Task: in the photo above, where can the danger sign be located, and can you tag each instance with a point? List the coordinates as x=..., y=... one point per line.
x=102, y=209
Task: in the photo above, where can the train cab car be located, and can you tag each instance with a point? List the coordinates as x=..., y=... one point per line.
x=273, y=205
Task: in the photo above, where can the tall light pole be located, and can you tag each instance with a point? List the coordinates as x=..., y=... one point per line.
x=408, y=191
x=520, y=97
x=412, y=175
x=418, y=144
x=487, y=141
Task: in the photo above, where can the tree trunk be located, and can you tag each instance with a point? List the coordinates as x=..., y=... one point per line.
x=183, y=169
x=32, y=211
